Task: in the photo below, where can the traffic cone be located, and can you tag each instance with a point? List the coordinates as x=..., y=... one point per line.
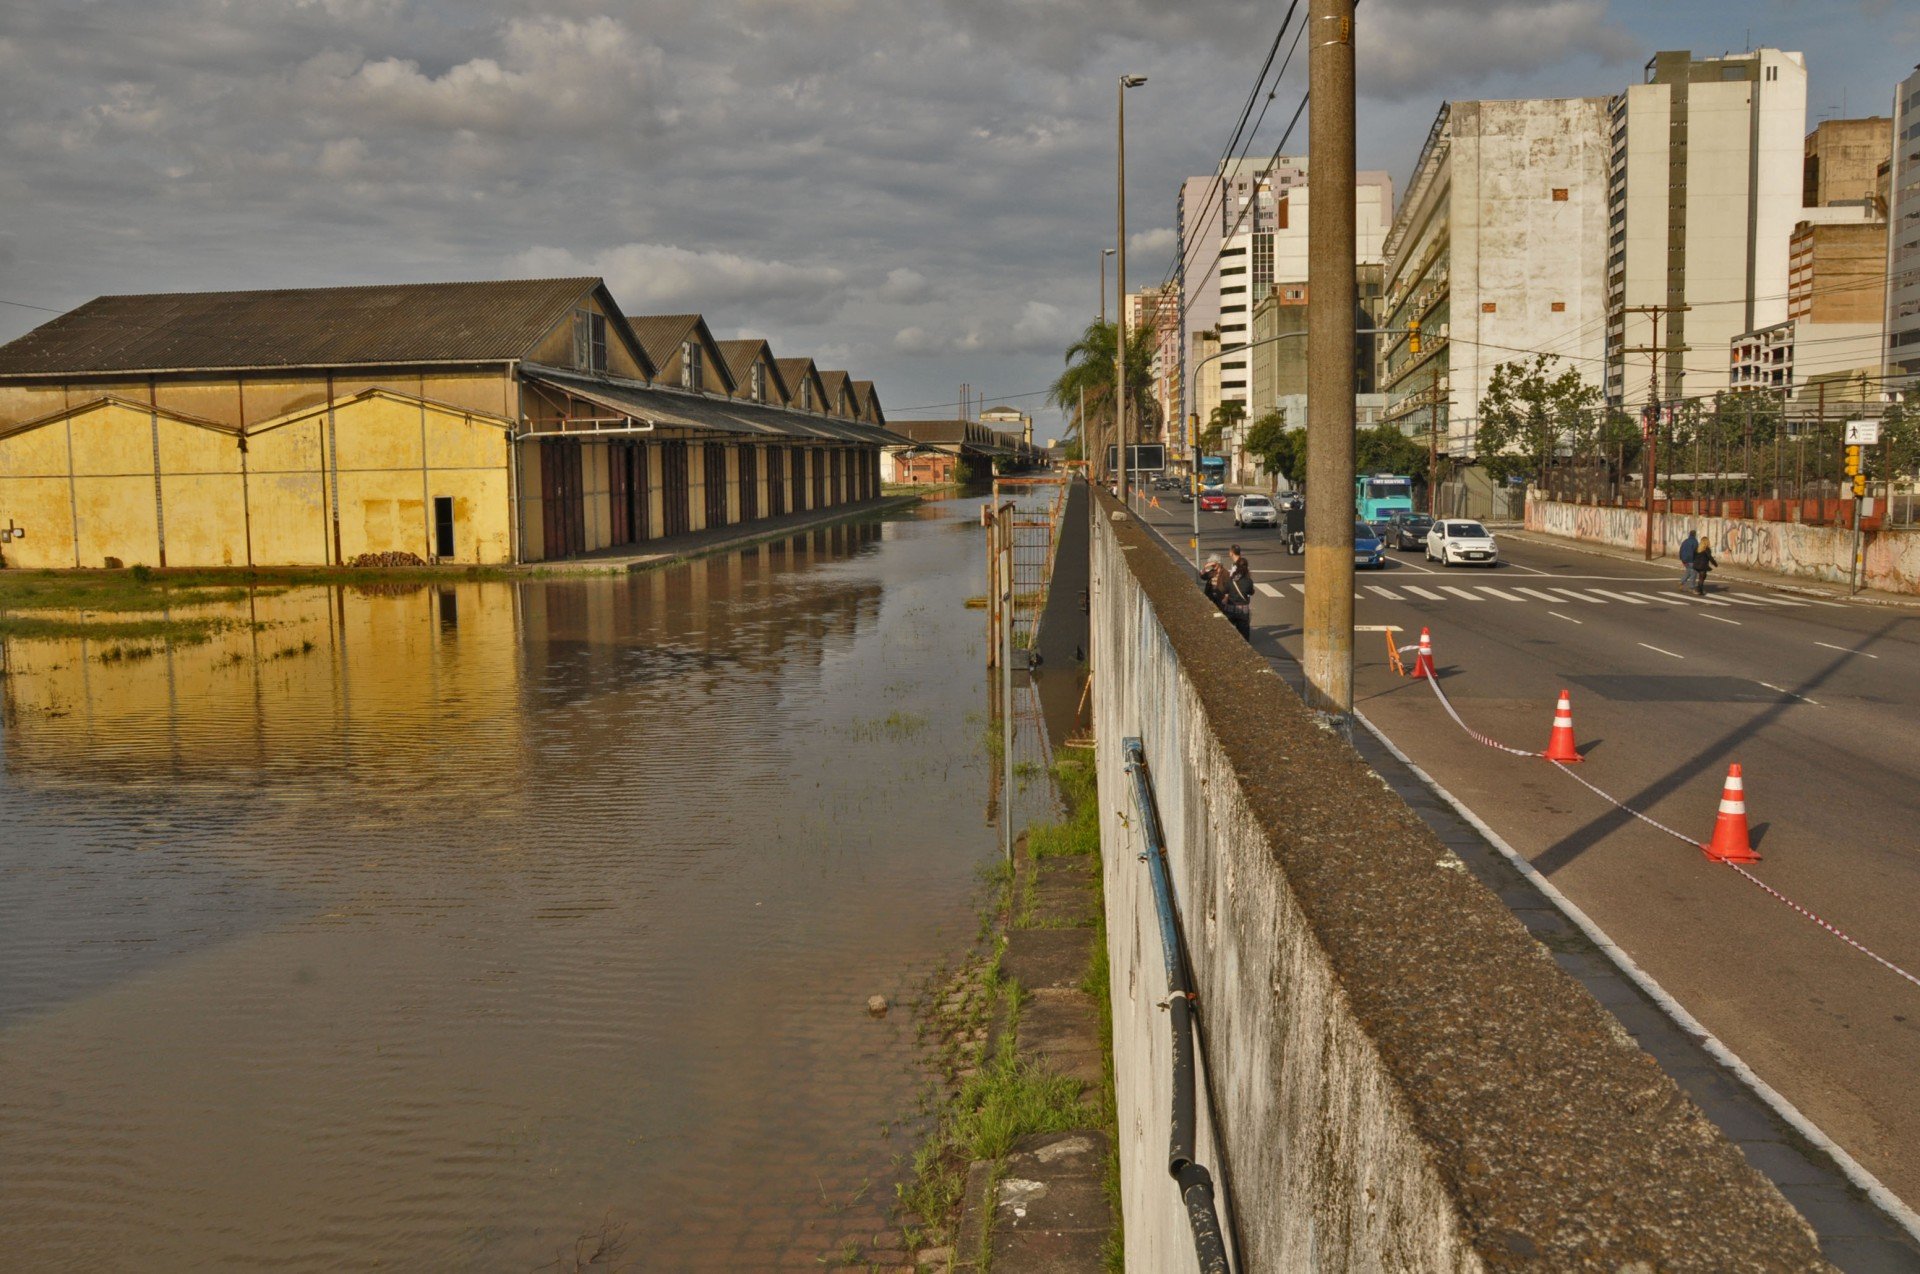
x=1729, y=844
x=1423, y=663
x=1560, y=746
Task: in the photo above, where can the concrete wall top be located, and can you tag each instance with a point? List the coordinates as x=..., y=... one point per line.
x=1560, y=1143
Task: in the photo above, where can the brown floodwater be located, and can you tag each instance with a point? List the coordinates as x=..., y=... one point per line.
x=438, y=927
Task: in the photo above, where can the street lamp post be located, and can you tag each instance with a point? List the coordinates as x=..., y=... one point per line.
x=1104, y=254
x=1120, y=290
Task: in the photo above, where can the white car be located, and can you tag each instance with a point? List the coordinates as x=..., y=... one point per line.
x=1453, y=542
x=1255, y=510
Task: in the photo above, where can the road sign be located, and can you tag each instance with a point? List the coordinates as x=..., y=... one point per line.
x=1143, y=457
x=1864, y=433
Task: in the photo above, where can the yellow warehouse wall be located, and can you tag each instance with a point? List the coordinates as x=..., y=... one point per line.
x=206, y=519
x=40, y=506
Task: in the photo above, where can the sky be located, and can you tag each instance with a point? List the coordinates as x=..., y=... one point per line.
x=914, y=190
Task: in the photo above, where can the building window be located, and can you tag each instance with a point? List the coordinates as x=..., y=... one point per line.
x=759, y=389
x=1559, y=194
x=806, y=394
x=1559, y=307
x=1488, y=307
x=589, y=341
x=690, y=366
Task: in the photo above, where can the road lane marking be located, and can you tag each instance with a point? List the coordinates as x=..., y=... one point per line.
x=1667, y=653
x=1848, y=649
x=1460, y=592
x=1387, y=593
x=1624, y=597
x=1574, y=594
x=1722, y=618
x=1740, y=601
x=1417, y=591
x=1570, y=619
x=1783, y=690
x=1301, y=588
x=1268, y=589
x=1770, y=599
x=1499, y=593
x=1534, y=592
x=1662, y=597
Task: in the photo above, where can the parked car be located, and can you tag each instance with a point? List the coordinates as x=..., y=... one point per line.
x=1453, y=542
x=1213, y=500
x=1368, y=548
x=1254, y=509
x=1407, y=531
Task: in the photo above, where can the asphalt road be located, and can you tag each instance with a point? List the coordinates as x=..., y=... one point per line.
x=1819, y=701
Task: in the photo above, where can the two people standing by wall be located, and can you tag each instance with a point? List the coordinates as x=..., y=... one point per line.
x=1231, y=589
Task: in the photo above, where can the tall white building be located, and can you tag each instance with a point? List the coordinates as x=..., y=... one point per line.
x=1903, y=239
x=1256, y=258
x=1705, y=190
x=1499, y=248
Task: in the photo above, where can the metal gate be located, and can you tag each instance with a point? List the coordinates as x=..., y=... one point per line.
x=1024, y=533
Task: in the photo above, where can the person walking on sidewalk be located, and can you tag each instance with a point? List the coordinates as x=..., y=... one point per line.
x=1702, y=564
x=1242, y=572
x=1689, y=549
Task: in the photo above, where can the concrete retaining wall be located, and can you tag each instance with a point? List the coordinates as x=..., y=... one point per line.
x=1405, y=1080
x=1791, y=548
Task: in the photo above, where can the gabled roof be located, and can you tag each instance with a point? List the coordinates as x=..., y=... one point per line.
x=839, y=387
x=741, y=356
x=869, y=399
x=398, y=323
x=794, y=371
x=662, y=335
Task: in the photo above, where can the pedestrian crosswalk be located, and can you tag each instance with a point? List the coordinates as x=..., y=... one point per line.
x=1557, y=595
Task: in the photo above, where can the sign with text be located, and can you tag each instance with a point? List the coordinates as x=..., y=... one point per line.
x=1863, y=433
x=1142, y=457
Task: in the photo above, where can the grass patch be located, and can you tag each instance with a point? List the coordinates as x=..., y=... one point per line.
x=1078, y=834
x=895, y=725
x=178, y=632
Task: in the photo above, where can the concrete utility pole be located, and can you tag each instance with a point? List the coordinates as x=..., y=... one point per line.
x=1120, y=291
x=1327, y=624
x=1650, y=418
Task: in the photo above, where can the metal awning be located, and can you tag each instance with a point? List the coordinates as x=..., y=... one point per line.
x=685, y=410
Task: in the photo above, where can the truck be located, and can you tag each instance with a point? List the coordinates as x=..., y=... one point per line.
x=1378, y=496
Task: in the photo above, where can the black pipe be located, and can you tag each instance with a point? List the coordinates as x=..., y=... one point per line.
x=1195, y=1183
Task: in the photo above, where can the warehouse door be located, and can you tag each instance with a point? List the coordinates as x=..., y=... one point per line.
x=563, y=505
x=715, y=469
x=777, y=482
x=676, y=494
x=749, y=483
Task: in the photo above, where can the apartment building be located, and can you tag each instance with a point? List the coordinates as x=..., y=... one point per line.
x=1498, y=251
x=1706, y=184
x=1901, y=356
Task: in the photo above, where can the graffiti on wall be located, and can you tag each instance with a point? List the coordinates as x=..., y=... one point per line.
x=1892, y=558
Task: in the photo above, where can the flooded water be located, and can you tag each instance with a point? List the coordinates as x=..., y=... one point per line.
x=438, y=927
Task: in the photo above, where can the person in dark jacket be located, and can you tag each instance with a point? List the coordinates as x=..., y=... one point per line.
x=1242, y=572
x=1689, y=547
x=1702, y=564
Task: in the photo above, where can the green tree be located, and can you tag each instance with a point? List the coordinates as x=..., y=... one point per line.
x=1385, y=449
x=1089, y=372
x=1224, y=417
x=1529, y=415
x=1279, y=449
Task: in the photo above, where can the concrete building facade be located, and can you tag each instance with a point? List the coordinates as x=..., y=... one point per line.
x=1901, y=358
x=1706, y=184
x=1499, y=248
x=484, y=423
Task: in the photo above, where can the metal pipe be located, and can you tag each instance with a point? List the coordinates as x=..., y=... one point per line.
x=1196, y=1184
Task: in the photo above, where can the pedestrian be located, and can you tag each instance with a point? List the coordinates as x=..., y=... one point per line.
x=1242, y=572
x=1702, y=563
x=1296, y=526
x=1689, y=547
x=1225, y=594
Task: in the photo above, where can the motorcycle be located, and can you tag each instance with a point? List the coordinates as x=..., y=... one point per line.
x=1296, y=543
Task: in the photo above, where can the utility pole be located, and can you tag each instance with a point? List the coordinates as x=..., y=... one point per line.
x=1327, y=620
x=1120, y=289
x=1650, y=418
x=1104, y=254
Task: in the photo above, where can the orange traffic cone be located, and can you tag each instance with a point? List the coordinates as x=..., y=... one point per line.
x=1560, y=746
x=1729, y=844
x=1423, y=663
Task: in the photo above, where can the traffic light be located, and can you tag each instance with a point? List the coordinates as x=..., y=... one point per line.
x=1853, y=465
x=1859, y=485
x=1413, y=336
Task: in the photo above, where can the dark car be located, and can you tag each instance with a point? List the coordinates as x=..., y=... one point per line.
x=1407, y=531
x=1213, y=500
x=1368, y=549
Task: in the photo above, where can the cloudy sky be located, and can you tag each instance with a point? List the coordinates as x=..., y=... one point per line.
x=915, y=190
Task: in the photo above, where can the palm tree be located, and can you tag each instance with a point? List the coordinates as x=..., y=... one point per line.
x=1090, y=372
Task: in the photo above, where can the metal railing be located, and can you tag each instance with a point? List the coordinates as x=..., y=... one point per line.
x=1024, y=525
x=1195, y=1182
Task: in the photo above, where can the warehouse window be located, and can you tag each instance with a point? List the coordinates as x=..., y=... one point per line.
x=589, y=341
x=759, y=382
x=1559, y=307
x=1488, y=307
x=1559, y=194
x=443, y=527
x=690, y=365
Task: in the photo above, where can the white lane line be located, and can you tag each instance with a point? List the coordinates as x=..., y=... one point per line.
x=1534, y=592
x=1662, y=597
x=1499, y=593
x=1621, y=597
x=1657, y=649
x=1722, y=618
x=1783, y=690
x=1771, y=600
x=1387, y=593
x=1740, y=601
x=1557, y=615
x=1296, y=585
x=1417, y=591
x=1708, y=601
x=1578, y=596
x=1459, y=592
x=1848, y=649
x=1266, y=588
x=1515, y=566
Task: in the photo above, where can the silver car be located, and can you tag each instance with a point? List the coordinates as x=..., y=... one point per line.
x=1255, y=510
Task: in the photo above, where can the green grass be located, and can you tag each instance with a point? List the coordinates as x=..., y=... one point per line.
x=180, y=632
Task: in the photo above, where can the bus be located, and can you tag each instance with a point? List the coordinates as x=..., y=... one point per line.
x=1213, y=471
x=1378, y=496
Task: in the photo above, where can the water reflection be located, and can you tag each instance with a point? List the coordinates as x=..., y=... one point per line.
x=432, y=927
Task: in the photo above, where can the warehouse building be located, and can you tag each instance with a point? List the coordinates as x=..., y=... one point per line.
x=483, y=423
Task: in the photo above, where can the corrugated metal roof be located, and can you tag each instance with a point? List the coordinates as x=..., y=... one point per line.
x=698, y=411
x=491, y=321
x=661, y=335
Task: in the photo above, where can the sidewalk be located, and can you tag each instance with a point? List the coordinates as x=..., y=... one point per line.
x=1742, y=574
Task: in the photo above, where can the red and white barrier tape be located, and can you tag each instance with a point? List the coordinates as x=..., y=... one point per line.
x=1833, y=929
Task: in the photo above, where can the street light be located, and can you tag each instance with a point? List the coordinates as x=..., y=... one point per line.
x=1104, y=254
x=1120, y=241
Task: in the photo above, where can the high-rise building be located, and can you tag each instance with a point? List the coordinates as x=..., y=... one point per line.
x=1153, y=318
x=1705, y=188
x=1499, y=248
x=1902, y=352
